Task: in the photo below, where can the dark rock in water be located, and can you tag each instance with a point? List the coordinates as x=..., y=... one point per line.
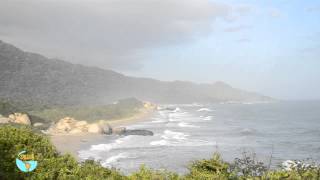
x=138, y=132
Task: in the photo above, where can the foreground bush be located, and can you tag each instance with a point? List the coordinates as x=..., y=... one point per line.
x=145, y=173
x=248, y=167
x=52, y=165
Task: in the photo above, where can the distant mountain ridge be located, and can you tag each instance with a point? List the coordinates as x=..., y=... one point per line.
x=33, y=77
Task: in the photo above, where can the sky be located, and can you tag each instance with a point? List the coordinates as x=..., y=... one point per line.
x=268, y=46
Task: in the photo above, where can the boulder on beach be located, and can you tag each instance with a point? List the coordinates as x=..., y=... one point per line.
x=69, y=125
x=119, y=130
x=149, y=105
x=106, y=128
x=65, y=124
x=95, y=128
x=81, y=123
x=20, y=118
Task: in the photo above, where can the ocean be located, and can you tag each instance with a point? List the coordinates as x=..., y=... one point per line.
x=183, y=133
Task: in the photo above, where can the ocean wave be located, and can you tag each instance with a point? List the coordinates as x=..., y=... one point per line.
x=208, y=118
x=248, y=131
x=174, y=135
x=174, y=120
x=113, y=159
x=197, y=142
x=204, y=109
x=102, y=147
x=108, y=147
x=163, y=114
x=188, y=143
x=177, y=109
x=158, y=120
x=183, y=124
x=178, y=115
x=159, y=143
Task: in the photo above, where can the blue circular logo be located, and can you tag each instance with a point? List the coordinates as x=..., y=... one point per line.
x=25, y=162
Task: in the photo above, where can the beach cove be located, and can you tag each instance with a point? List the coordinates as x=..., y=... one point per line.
x=72, y=143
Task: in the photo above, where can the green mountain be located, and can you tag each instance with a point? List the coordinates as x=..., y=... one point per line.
x=29, y=78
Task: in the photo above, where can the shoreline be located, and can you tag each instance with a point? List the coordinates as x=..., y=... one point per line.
x=72, y=143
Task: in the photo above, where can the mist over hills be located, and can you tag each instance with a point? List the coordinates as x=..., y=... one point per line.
x=32, y=77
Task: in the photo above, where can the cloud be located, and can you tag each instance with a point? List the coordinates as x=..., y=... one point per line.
x=310, y=50
x=243, y=40
x=275, y=13
x=244, y=9
x=236, y=28
x=109, y=34
x=313, y=36
x=313, y=9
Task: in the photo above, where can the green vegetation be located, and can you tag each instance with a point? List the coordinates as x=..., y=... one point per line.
x=52, y=165
x=121, y=109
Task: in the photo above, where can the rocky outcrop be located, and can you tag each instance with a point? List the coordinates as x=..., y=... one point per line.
x=149, y=105
x=119, y=130
x=105, y=127
x=69, y=125
x=19, y=118
x=94, y=128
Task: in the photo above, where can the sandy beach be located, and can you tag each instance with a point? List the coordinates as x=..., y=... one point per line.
x=72, y=143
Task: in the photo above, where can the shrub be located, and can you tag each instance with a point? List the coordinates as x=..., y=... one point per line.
x=51, y=165
x=248, y=166
x=214, y=168
x=145, y=173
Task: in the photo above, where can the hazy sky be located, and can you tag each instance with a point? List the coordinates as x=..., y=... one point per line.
x=272, y=47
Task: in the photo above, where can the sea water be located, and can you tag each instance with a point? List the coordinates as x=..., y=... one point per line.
x=183, y=133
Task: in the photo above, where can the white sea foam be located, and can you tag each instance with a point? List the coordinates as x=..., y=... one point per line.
x=108, y=147
x=102, y=147
x=177, y=109
x=196, y=142
x=113, y=159
x=179, y=114
x=158, y=121
x=174, y=120
x=182, y=143
x=159, y=143
x=204, y=109
x=174, y=135
x=208, y=118
x=183, y=124
x=163, y=114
